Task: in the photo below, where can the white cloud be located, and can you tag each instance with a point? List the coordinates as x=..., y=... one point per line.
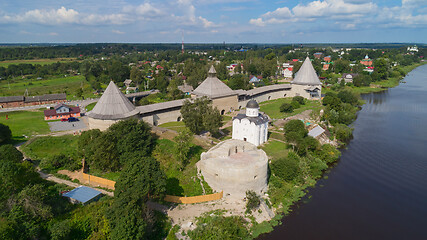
x=348, y=14
x=48, y=17
x=53, y=34
x=117, y=31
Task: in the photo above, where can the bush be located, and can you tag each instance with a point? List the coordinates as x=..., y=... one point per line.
x=286, y=107
x=343, y=133
x=252, y=201
x=328, y=153
x=286, y=168
x=316, y=166
x=298, y=99
x=61, y=161
x=295, y=105
x=347, y=96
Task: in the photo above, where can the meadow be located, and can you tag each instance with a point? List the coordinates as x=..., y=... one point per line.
x=28, y=123
x=36, y=61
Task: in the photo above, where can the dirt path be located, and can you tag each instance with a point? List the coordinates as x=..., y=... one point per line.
x=52, y=178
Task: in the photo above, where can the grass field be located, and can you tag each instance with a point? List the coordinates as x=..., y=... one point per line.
x=91, y=106
x=36, y=61
x=46, y=147
x=27, y=123
x=272, y=108
x=276, y=149
x=18, y=86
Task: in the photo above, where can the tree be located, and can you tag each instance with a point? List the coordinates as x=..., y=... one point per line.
x=286, y=168
x=286, y=107
x=348, y=96
x=294, y=129
x=9, y=152
x=140, y=180
x=298, y=99
x=79, y=93
x=5, y=133
x=182, y=148
x=201, y=116
x=221, y=71
x=253, y=201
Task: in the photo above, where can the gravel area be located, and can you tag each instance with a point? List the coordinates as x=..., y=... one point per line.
x=66, y=126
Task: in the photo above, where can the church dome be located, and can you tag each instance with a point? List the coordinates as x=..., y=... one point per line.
x=252, y=104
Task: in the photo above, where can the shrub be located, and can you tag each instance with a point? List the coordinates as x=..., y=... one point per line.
x=328, y=153
x=298, y=99
x=348, y=96
x=295, y=105
x=286, y=168
x=343, y=133
x=252, y=201
x=286, y=107
x=5, y=133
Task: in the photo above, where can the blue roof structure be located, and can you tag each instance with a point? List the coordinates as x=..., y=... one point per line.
x=82, y=194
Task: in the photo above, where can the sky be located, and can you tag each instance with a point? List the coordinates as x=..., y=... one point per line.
x=213, y=21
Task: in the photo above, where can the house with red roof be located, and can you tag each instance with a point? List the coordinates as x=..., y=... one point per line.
x=61, y=111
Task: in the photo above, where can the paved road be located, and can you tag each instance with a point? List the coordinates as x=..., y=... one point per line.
x=67, y=126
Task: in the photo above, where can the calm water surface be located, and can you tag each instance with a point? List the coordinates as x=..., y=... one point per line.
x=378, y=190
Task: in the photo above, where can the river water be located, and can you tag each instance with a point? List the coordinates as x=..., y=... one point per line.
x=378, y=189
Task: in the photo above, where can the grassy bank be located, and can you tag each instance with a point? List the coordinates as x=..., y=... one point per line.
x=389, y=83
x=42, y=148
x=28, y=123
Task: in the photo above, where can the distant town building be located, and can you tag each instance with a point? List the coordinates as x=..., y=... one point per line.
x=21, y=101
x=366, y=61
x=327, y=59
x=287, y=70
x=318, y=55
x=61, y=111
x=252, y=126
x=348, y=77
x=186, y=89
x=413, y=49
x=127, y=82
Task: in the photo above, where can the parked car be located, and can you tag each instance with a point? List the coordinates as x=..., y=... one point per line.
x=73, y=119
x=64, y=119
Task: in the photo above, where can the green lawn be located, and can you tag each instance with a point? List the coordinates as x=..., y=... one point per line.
x=276, y=149
x=272, y=108
x=42, y=148
x=35, y=61
x=27, y=123
x=176, y=126
x=91, y=106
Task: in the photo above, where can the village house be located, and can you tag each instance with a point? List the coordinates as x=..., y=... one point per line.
x=127, y=82
x=348, y=77
x=318, y=55
x=61, y=111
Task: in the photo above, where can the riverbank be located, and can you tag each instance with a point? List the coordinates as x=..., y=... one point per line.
x=267, y=227
x=389, y=83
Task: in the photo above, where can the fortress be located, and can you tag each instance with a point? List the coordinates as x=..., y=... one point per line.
x=114, y=106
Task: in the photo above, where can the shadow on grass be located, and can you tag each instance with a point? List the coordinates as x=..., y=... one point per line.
x=173, y=187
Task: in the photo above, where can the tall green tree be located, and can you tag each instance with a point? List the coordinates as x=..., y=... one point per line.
x=5, y=133
x=201, y=116
x=182, y=148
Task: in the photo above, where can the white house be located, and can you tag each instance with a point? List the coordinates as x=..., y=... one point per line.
x=252, y=126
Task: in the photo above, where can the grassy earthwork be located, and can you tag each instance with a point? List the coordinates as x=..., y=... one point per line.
x=276, y=149
x=272, y=108
x=26, y=123
x=42, y=148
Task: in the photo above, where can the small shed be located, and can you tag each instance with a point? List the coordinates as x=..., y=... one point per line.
x=83, y=195
x=316, y=132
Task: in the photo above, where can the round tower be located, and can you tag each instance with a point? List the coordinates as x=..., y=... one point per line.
x=252, y=109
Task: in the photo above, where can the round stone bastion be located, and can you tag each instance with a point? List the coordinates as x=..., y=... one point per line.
x=235, y=166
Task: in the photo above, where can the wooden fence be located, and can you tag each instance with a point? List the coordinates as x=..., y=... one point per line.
x=195, y=199
x=169, y=198
x=98, y=180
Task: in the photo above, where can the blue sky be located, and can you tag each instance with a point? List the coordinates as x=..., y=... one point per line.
x=213, y=21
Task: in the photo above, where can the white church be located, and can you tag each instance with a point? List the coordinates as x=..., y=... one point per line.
x=251, y=127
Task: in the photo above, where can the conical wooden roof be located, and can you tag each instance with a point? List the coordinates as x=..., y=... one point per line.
x=112, y=105
x=306, y=75
x=213, y=87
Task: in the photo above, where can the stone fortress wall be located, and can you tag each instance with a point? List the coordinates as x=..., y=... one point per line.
x=235, y=166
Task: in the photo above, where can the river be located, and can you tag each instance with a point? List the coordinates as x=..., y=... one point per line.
x=378, y=189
